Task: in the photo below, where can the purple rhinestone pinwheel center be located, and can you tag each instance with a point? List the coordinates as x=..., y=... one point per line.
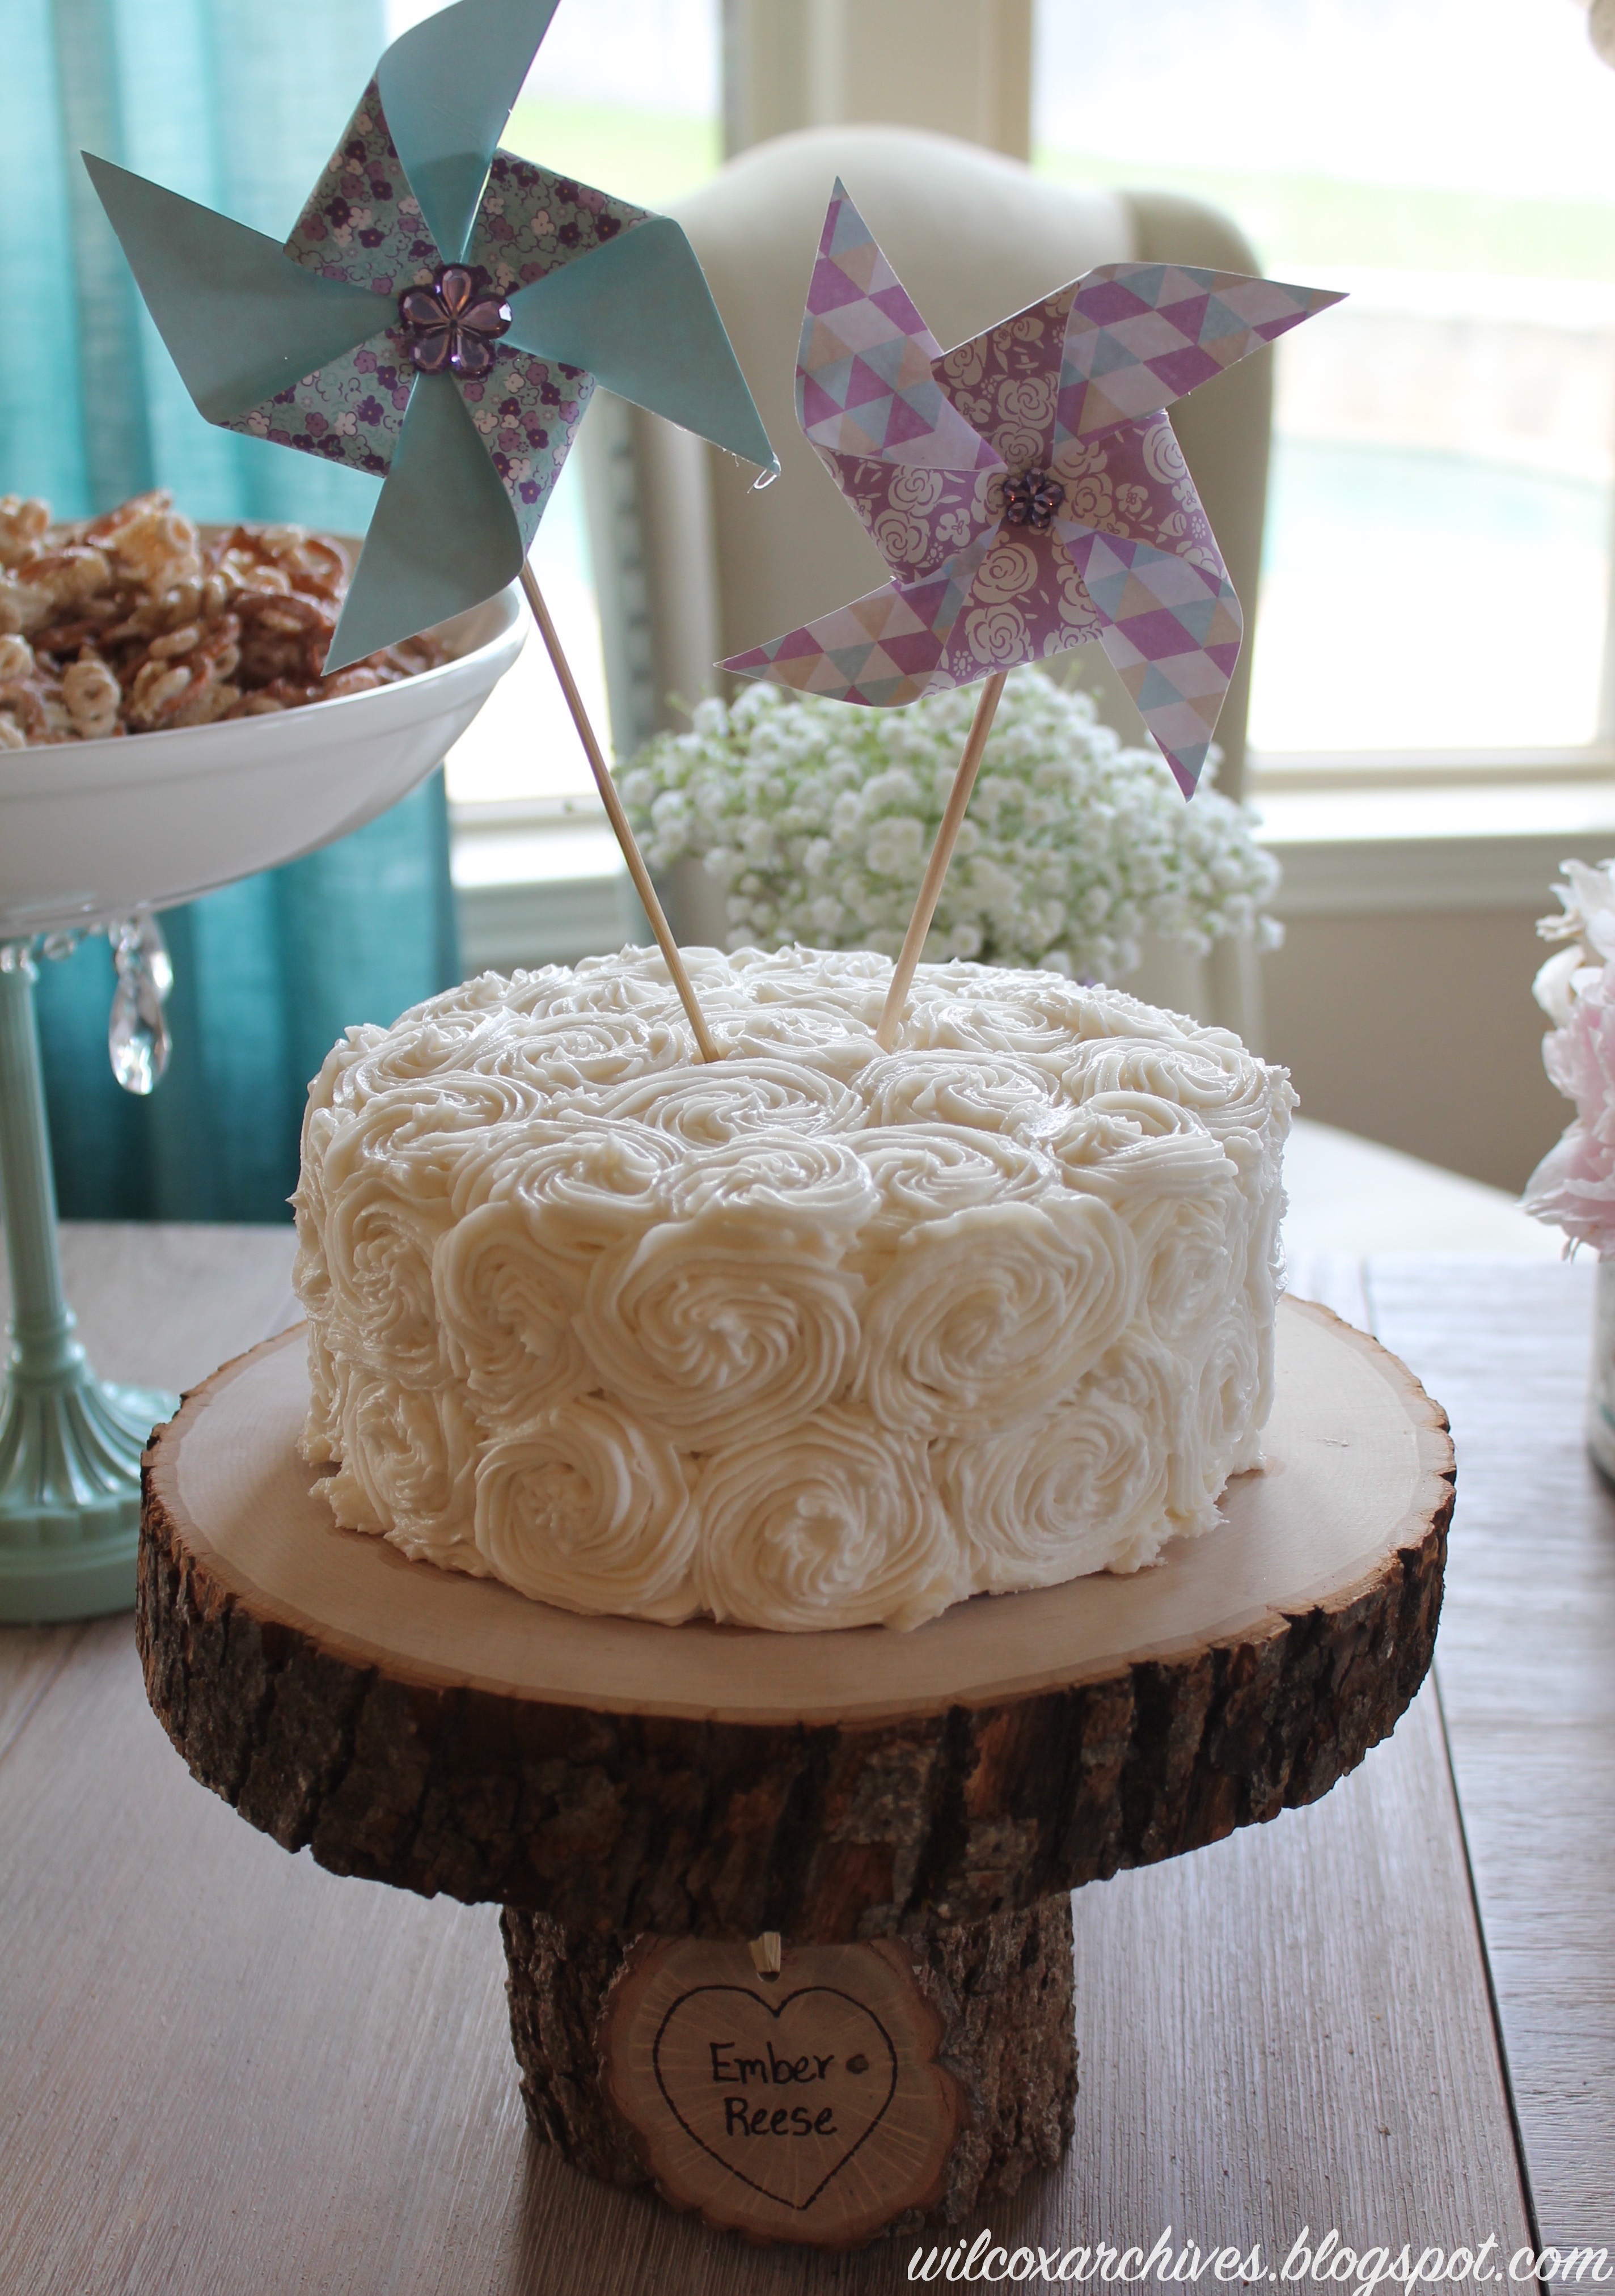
x=452, y=326
x=1031, y=500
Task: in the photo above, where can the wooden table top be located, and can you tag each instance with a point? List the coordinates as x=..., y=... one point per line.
x=223, y=2071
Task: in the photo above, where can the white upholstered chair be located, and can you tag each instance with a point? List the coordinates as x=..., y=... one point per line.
x=692, y=564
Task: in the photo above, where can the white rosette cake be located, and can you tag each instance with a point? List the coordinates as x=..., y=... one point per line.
x=813, y=1336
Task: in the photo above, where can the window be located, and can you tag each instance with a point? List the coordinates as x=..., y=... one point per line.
x=1437, y=572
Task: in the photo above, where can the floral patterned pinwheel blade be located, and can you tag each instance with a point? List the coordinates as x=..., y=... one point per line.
x=1025, y=489
x=438, y=317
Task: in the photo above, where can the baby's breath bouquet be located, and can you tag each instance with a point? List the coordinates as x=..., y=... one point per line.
x=817, y=819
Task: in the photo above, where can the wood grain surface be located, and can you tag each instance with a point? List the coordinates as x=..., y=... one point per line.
x=1357, y=1463
x=867, y=2145
x=442, y=1733
x=331, y=2061
x=1527, y=1672
x=939, y=2073
x=223, y=2072
x=32, y=1663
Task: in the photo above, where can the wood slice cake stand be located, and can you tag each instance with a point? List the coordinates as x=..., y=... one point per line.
x=787, y=1917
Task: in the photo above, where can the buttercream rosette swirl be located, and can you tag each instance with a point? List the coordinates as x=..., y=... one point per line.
x=813, y=1336
x=407, y=1466
x=710, y=1105
x=978, y=1090
x=588, y=1509
x=570, y=1057
x=376, y=1245
x=506, y=1308
x=840, y=1522
x=985, y=1316
x=716, y=1325
x=1082, y=1489
x=930, y=1171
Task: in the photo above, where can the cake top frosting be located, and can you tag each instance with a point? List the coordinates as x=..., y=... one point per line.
x=1004, y=1089
x=797, y=1029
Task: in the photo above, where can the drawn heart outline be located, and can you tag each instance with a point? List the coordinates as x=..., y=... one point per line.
x=755, y=2001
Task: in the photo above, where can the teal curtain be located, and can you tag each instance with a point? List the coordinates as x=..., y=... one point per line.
x=239, y=105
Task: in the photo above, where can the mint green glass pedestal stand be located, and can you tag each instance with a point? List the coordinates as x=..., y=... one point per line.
x=70, y=1444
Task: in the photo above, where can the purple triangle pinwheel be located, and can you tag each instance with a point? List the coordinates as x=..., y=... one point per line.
x=1026, y=489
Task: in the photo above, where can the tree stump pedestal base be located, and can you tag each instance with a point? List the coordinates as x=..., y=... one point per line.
x=900, y=1818
x=857, y=2088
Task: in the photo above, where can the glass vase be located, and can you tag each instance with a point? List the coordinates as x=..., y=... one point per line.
x=1601, y=1390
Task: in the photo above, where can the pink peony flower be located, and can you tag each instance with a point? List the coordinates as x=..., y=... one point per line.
x=1574, y=1185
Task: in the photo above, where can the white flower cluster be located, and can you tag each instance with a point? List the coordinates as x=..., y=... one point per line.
x=818, y=818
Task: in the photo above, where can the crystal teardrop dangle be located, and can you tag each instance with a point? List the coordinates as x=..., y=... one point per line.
x=137, y=1035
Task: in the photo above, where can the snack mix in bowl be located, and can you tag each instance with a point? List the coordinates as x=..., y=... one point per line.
x=137, y=622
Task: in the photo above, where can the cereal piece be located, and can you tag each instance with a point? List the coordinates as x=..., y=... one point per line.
x=215, y=701
x=16, y=660
x=242, y=561
x=36, y=705
x=97, y=530
x=93, y=698
x=89, y=627
x=282, y=637
x=413, y=656
x=24, y=521
x=23, y=607
x=70, y=575
x=292, y=692
x=65, y=577
x=359, y=677
x=152, y=540
x=285, y=544
x=150, y=617
x=175, y=642
x=183, y=678
x=201, y=599
x=159, y=688
x=246, y=575
x=316, y=568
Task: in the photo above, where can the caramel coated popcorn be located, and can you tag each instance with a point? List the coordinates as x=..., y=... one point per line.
x=134, y=622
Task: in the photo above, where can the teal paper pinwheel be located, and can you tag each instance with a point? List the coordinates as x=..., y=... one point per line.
x=440, y=315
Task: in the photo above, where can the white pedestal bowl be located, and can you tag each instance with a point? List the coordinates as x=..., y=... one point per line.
x=90, y=830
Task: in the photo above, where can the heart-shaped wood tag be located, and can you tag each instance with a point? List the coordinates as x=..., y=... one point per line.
x=808, y=2107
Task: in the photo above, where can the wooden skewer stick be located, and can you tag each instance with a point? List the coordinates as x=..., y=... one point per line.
x=618, y=819
x=936, y=868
